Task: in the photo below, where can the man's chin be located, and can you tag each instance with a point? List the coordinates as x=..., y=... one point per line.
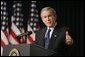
x=49, y=26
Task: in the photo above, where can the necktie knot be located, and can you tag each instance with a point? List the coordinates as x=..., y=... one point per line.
x=48, y=33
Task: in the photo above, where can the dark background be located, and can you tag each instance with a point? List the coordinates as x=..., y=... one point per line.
x=70, y=13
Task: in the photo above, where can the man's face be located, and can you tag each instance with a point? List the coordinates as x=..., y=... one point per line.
x=48, y=18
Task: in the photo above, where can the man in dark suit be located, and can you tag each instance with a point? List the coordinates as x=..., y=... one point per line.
x=53, y=37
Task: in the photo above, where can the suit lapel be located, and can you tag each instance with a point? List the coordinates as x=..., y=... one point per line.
x=54, y=38
x=57, y=37
x=42, y=37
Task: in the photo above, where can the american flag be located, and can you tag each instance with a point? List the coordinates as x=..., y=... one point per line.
x=17, y=22
x=4, y=26
x=33, y=23
x=16, y=27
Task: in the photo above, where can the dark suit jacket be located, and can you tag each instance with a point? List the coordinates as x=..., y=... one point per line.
x=57, y=42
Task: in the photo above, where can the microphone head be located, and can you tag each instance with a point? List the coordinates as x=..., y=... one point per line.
x=29, y=32
x=24, y=34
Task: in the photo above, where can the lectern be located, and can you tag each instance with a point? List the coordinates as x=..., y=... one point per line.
x=26, y=50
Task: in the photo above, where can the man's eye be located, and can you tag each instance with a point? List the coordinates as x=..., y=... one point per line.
x=45, y=17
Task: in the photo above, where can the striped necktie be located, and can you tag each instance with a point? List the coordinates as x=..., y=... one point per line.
x=47, y=39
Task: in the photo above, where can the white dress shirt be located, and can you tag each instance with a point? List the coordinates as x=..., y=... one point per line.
x=52, y=29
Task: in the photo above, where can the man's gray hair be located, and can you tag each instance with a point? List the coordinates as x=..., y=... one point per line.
x=49, y=9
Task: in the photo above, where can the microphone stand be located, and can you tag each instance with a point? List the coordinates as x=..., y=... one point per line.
x=22, y=39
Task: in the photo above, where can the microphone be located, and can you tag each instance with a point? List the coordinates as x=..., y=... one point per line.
x=24, y=34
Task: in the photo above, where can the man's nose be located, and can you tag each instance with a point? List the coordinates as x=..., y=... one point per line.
x=48, y=18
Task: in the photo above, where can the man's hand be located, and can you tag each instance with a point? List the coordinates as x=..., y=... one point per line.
x=68, y=40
